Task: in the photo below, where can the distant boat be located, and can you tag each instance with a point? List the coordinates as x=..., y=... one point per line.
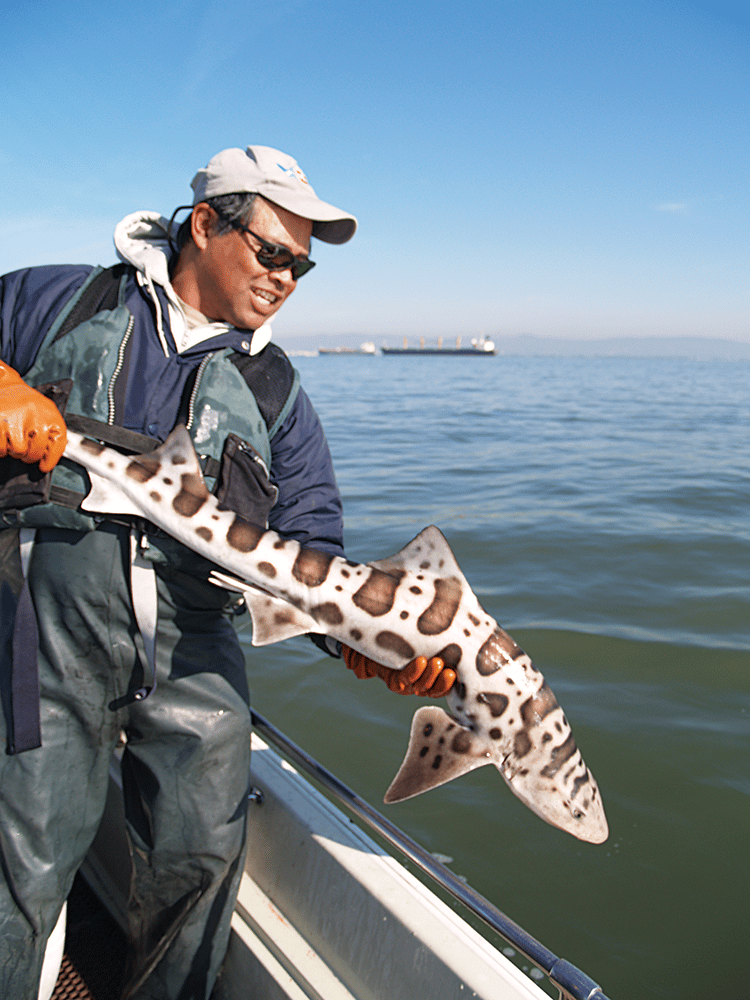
x=366, y=348
x=477, y=347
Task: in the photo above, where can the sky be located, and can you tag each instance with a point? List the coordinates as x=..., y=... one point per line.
x=575, y=169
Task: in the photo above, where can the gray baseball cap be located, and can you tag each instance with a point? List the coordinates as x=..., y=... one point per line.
x=278, y=178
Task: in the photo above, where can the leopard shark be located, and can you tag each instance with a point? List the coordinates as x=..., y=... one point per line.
x=414, y=603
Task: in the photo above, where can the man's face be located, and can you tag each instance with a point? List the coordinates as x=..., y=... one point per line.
x=234, y=287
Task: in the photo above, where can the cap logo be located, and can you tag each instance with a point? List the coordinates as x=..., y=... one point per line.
x=294, y=171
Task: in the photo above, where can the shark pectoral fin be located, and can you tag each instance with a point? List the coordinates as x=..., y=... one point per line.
x=106, y=497
x=439, y=750
x=274, y=619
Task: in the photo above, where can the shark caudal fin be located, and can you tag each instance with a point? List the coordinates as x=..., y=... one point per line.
x=107, y=497
x=439, y=750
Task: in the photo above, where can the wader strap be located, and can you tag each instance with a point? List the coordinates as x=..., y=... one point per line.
x=144, y=597
x=26, y=724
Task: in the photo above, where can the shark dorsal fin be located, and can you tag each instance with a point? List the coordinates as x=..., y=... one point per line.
x=429, y=550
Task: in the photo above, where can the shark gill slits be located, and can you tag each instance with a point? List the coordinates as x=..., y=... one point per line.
x=142, y=469
x=193, y=494
x=243, y=536
x=311, y=567
x=559, y=755
x=497, y=703
x=461, y=742
x=156, y=497
x=377, y=593
x=440, y=614
x=328, y=612
x=539, y=706
x=395, y=644
x=92, y=447
x=522, y=744
x=267, y=569
x=205, y=533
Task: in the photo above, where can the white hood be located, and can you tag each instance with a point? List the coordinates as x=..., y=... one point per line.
x=141, y=240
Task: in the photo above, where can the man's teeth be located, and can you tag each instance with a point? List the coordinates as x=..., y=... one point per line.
x=268, y=296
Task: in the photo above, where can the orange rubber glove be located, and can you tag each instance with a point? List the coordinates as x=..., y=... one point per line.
x=31, y=427
x=427, y=678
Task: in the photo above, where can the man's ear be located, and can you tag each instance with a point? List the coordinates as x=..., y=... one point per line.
x=202, y=224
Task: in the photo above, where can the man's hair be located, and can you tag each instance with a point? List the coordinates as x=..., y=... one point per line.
x=229, y=208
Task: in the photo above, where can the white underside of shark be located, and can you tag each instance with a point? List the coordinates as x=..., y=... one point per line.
x=414, y=603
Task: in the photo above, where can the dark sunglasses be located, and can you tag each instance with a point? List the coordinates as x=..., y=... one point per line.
x=273, y=256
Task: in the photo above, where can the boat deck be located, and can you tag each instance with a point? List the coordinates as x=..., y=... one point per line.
x=94, y=950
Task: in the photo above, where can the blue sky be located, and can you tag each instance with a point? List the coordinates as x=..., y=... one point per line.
x=517, y=166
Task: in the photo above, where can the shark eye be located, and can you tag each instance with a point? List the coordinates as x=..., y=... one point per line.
x=577, y=814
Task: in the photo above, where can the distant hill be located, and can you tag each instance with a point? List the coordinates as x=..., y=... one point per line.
x=698, y=348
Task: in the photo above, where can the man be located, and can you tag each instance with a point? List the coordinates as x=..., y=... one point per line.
x=178, y=333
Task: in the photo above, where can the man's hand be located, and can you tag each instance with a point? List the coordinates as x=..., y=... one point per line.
x=427, y=678
x=31, y=427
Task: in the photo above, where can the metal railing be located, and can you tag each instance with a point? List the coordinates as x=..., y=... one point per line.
x=564, y=976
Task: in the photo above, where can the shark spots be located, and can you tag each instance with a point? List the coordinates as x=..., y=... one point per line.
x=491, y=656
x=192, y=495
x=267, y=569
x=437, y=761
x=142, y=468
x=558, y=757
x=355, y=634
x=496, y=702
x=451, y=657
x=311, y=567
x=243, y=536
x=92, y=447
x=328, y=612
x=522, y=744
x=461, y=742
x=440, y=614
x=395, y=644
x=156, y=497
x=377, y=594
x=205, y=533
x=538, y=707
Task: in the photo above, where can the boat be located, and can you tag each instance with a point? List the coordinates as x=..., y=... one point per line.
x=483, y=347
x=325, y=912
x=366, y=348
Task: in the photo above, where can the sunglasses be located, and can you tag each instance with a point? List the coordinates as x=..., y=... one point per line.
x=273, y=256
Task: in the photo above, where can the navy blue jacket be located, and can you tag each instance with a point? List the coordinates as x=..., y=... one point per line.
x=308, y=508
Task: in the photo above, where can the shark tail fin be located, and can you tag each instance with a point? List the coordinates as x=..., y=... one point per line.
x=439, y=750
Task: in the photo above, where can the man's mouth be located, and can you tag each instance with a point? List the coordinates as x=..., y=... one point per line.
x=268, y=296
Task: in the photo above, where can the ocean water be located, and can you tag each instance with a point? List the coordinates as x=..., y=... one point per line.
x=599, y=509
